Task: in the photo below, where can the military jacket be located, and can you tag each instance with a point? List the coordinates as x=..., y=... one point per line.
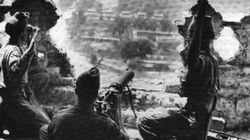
x=78, y=124
x=14, y=66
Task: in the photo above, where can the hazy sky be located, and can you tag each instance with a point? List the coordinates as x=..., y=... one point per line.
x=109, y=3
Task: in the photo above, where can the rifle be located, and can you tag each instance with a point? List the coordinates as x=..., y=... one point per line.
x=31, y=42
x=32, y=46
x=109, y=103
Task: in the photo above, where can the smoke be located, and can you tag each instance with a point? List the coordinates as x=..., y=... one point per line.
x=61, y=38
x=227, y=45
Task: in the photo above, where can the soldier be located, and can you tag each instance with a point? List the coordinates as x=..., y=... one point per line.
x=81, y=121
x=199, y=86
x=20, y=111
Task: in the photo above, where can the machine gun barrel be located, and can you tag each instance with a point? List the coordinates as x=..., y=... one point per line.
x=116, y=87
x=124, y=79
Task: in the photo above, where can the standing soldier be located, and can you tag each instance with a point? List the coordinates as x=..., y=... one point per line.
x=20, y=111
x=199, y=86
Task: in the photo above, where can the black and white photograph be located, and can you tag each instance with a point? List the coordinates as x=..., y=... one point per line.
x=124, y=70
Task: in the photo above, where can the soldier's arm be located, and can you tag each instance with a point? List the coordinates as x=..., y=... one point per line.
x=19, y=62
x=193, y=53
x=195, y=45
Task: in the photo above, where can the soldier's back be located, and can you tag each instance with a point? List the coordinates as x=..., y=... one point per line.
x=78, y=124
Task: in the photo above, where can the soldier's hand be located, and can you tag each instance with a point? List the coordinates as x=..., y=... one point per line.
x=32, y=46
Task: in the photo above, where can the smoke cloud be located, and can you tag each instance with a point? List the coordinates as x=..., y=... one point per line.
x=61, y=38
x=227, y=45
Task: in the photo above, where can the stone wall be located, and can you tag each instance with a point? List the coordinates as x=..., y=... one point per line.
x=242, y=31
x=234, y=97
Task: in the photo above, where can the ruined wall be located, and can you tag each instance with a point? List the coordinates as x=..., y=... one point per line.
x=234, y=97
x=242, y=32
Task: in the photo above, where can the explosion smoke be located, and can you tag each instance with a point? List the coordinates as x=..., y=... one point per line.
x=227, y=45
x=60, y=36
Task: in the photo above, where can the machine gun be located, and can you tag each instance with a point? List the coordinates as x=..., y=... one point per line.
x=109, y=103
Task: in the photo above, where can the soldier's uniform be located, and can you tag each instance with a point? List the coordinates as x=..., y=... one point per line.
x=21, y=114
x=81, y=121
x=199, y=86
x=77, y=123
x=191, y=119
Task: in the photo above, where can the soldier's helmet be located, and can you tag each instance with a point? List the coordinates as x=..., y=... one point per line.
x=88, y=83
x=17, y=24
x=207, y=28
